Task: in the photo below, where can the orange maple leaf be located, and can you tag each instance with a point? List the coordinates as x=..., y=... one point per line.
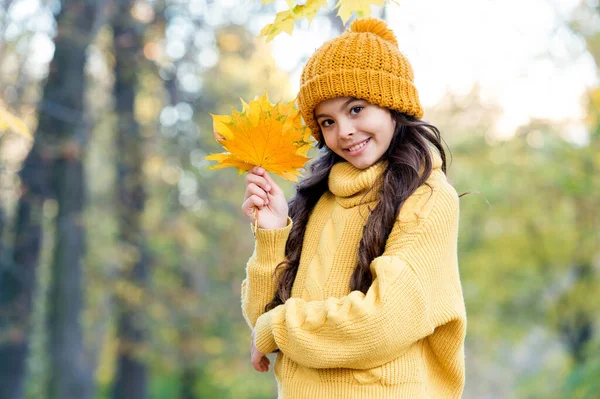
x=263, y=134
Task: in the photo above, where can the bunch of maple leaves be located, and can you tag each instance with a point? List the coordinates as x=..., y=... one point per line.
x=263, y=134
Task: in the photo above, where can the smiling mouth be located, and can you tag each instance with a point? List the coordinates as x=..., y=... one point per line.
x=358, y=146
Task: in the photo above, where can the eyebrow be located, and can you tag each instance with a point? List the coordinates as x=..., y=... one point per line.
x=344, y=105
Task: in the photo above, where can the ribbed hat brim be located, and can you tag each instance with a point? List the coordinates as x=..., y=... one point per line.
x=377, y=87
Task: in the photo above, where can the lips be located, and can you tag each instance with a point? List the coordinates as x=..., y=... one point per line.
x=357, y=146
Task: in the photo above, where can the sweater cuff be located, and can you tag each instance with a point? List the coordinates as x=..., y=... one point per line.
x=263, y=333
x=270, y=244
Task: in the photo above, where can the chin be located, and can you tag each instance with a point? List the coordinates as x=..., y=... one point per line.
x=361, y=164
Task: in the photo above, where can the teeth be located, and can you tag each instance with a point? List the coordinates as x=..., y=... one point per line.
x=358, y=146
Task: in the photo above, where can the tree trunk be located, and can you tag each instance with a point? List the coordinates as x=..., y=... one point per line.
x=131, y=377
x=52, y=168
x=69, y=376
x=17, y=282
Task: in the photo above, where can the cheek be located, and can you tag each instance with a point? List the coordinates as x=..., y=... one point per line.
x=387, y=134
x=328, y=138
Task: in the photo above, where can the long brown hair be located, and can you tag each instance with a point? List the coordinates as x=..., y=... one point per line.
x=407, y=155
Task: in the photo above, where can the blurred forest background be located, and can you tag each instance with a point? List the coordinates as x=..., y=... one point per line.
x=121, y=257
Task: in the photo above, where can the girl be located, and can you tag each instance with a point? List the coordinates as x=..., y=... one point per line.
x=356, y=285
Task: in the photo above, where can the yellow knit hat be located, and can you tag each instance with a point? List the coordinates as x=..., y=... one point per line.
x=365, y=63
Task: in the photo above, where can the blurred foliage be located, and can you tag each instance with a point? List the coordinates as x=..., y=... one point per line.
x=529, y=241
x=285, y=20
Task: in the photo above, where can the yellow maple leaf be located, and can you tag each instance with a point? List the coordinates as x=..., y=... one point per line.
x=263, y=134
x=9, y=121
x=362, y=8
x=309, y=9
x=284, y=22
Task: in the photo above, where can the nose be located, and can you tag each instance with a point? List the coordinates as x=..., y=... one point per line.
x=345, y=129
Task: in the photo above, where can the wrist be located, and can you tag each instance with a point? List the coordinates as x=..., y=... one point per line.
x=278, y=225
x=283, y=223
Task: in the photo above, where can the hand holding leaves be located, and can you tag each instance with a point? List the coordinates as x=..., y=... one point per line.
x=264, y=202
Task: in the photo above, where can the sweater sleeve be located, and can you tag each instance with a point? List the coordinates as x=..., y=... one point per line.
x=258, y=288
x=415, y=289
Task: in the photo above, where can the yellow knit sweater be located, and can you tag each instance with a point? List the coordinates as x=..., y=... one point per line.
x=405, y=337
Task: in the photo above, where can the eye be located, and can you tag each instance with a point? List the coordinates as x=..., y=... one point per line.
x=326, y=122
x=356, y=110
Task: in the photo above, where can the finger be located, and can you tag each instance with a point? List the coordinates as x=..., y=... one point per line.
x=265, y=362
x=255, y=178
x=249, y=205
x=257, y=201
x=254, y=201
x=257, y=170
x=258, y=180
x=256, y=362
x=254, y=189
x=254, y=171
x=264, y=366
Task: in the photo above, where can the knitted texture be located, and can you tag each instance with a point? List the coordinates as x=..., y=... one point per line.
x=365, y=63
x=405, y=337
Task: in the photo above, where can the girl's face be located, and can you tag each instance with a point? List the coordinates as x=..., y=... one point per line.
x=356, y=130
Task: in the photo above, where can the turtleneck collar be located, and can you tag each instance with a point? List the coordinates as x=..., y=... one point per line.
x=352, y=186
